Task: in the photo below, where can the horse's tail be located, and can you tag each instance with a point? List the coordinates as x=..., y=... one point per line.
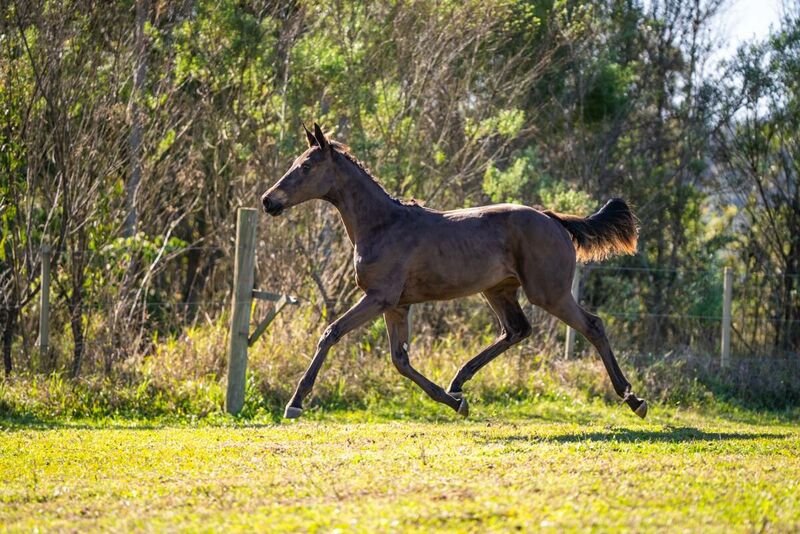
x=612, y=230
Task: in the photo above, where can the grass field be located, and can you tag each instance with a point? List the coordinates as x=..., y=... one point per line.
x=547, y=465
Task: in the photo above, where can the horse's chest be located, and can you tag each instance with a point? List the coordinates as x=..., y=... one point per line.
x=373, y=266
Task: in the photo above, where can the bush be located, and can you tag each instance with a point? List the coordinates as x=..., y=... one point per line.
x=184, y=378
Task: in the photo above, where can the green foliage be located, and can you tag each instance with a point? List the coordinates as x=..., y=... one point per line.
x=558, y=197
x=507, y=123
x=524, y=182
x=606, y=97
x=55, y=397
x=222, y=42
x=507, y=185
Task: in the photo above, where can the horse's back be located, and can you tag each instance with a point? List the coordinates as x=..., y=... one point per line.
x=521, y=227
x=466, y=251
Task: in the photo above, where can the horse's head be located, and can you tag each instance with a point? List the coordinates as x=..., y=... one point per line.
x=310, y=176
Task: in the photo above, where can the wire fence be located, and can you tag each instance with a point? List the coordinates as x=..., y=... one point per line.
x=644, y=308
x=682, y=309
x=658, y=309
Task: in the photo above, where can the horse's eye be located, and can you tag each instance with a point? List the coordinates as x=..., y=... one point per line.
x=306, y=167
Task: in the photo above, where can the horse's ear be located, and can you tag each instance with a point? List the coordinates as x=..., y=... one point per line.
x=312, y=141
x=323, y=143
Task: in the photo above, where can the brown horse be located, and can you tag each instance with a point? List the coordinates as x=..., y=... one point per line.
x=405, y=254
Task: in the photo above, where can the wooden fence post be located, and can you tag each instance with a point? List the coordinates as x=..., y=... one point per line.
x=727, y=302
x=44, y=305
x=244, y=263
x=569, y=346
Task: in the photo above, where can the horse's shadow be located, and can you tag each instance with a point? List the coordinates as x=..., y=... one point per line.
x=627, y=435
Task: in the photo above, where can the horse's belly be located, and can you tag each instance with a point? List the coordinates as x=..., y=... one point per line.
x=453, y=277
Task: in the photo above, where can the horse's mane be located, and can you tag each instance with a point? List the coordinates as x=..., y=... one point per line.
x=344, y=150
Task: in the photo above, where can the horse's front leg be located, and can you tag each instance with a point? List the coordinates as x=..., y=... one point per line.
x=369, y=307
x=397, y=327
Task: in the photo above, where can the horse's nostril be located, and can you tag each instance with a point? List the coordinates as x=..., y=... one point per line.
x=271, y=206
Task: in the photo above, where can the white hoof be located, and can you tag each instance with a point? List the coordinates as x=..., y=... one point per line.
x=457, y=394
x=292, y=412
x=463, y=408
x=641, y=411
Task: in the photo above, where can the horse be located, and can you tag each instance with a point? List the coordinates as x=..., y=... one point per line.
x=406, y=254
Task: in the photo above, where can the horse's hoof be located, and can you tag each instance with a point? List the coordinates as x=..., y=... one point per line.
x=456, y=394
x=463, y=408
x=641, y=411
x=292, y=412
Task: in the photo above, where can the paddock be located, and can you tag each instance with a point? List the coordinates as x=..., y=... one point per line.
x=554, y=465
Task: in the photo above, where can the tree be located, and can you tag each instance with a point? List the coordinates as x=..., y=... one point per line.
x=759, y=148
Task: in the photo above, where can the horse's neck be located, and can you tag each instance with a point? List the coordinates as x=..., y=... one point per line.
x=363, y=204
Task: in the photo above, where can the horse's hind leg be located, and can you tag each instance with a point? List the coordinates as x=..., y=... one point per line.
x=397, y=327
x=514, y=328
x=591, y=327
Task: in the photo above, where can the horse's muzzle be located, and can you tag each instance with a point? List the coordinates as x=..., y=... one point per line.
x=272, y=207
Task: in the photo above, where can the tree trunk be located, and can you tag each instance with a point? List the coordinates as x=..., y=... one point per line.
x=75, y=303
x=139, y=72
x=76, y=324
x=9, y=315
x=791, y=302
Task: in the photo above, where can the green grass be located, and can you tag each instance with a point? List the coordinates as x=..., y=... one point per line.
x=551, y=464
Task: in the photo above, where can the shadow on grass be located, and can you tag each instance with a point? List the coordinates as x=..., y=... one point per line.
x=390, y=413
x=668, y=435
x=510, y=411
x=18, y=423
